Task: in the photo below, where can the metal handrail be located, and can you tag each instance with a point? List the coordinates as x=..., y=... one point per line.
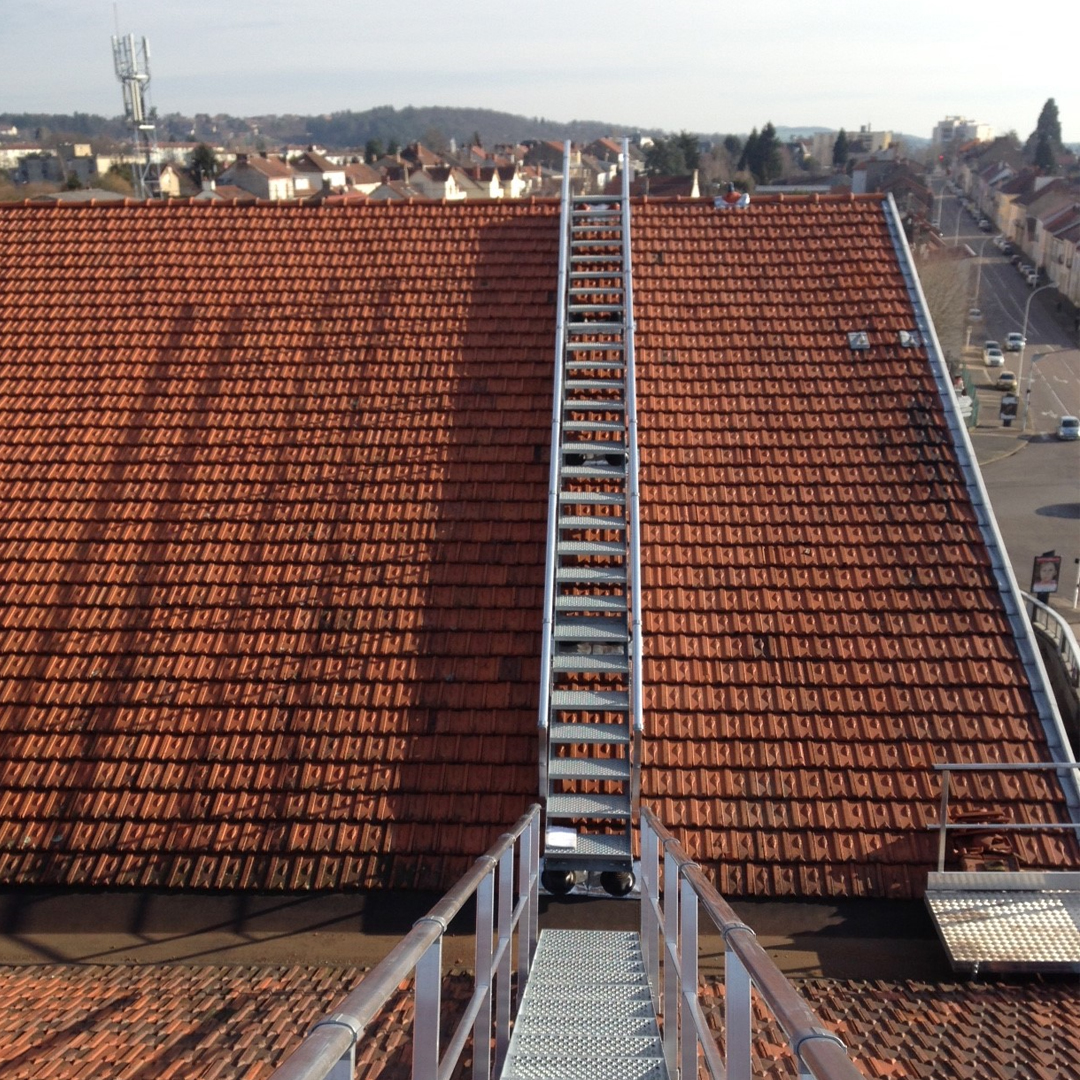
x=551, y=558
x=944, y=828
x=670, y=933
x=329, y=1050
x=634, y=492
x=1060, y=633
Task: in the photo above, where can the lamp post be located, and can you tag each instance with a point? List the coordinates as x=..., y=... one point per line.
x=1023, y=354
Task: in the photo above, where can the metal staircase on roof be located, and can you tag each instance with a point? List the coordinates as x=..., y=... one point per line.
x=590, y=716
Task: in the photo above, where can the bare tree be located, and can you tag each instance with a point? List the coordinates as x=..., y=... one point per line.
x=946, y=280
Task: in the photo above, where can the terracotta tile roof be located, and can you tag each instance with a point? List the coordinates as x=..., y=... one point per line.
x=821, y=621
x=925, y=1031
x=273, y=490
x=271, y=540
x=239, y=1022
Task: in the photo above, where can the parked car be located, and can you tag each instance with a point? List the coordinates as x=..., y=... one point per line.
x=1005, y=381
x=984, y=224
x=1069, y=428
x=1014, y=342
x=1032, y=278
x=1015, y=258
x=1006, y=248
x=1025, y=269
x=994, y=357
x=990, y=346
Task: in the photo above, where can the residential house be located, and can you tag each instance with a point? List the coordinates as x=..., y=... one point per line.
x=439, y=182
x=312, y=172
x=272, y=574
x=361, y=177
x=394, y=191
x=262, y=176
x=1055, y=235
x=1045, y=201
x=11, y=154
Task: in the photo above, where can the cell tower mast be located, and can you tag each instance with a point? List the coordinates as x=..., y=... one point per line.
x=132, y=62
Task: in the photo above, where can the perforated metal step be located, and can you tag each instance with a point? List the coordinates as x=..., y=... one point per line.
x=587, y=1012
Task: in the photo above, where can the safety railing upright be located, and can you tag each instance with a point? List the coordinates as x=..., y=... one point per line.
x=669, y=941
x=505, y=882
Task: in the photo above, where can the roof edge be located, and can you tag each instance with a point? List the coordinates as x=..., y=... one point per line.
x=1024, y=635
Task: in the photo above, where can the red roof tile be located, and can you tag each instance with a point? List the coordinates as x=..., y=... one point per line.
x=239, y=1022
x=273, y=486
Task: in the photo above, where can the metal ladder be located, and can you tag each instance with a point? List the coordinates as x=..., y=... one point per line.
x=590, y=701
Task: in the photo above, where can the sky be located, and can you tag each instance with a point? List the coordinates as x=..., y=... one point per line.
x=670, y=64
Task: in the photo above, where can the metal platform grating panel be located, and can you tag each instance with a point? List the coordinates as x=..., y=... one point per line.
x=587, y=1012
x=1008, y=922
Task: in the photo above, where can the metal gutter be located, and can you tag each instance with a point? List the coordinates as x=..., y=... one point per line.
x=1053, y=728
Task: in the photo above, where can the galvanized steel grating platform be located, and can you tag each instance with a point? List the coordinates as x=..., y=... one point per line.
x=587, y=1013
x=1007, y=922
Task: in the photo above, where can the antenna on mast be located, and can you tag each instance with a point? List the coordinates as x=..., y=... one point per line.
x=132, y=63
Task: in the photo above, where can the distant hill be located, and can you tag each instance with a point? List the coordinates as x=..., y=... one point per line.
x=434, y=125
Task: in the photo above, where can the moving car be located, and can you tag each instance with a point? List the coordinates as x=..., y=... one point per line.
x=1005, y=381
x=974, y=314
x=1014, y=342
x=1069, y=428
x=990, y=346
x=994, y=357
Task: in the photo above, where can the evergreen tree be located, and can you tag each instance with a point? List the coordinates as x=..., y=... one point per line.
x=1048, y=126
x=691, y=151
x=840, y=150
x=1044, y=156
x=372, y=150
x=666, y=157
x=748, y=158
x=768, y=153
x=204, y=165
x=733, y=145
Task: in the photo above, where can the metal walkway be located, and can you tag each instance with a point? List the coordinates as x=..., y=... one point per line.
x=1007, y=922
x=587, y=1013
x=589, y=704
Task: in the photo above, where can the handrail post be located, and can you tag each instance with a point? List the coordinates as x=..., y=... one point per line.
x=650, y=896
x=485, y=910
x=688, y=968
x=738, y=1009
x=671, y=960
x=527, y=893
x=505, y=933
x=942, y=826
x=428, y=1007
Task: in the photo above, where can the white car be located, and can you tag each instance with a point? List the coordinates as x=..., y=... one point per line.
x=994, y=357
x=990, y=347
x=1069, y=428
x=1014, y=342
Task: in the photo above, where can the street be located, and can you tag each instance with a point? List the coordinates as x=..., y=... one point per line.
x=1033, y=479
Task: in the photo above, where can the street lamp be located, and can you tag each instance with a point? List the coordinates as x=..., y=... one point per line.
x=1023, y=353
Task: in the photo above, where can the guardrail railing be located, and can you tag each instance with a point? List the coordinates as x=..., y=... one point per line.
x=1058, y=631
x=329, y=1051
x=944, y=828
x=669, y=941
